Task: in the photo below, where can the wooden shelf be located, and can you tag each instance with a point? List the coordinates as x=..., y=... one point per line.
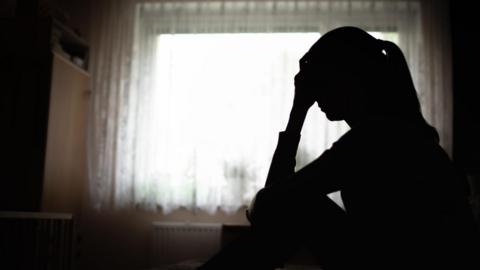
x=69, y=35
x=69, y=42
x=70, y=63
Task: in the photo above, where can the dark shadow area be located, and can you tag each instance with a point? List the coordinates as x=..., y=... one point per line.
x=466, y=122
x=406, y=203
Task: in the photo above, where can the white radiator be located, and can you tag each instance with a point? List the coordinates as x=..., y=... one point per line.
x=174, y=242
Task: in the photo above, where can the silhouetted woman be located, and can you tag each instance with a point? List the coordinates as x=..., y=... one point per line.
x=405, y=205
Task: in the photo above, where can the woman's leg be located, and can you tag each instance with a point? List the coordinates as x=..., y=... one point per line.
x=304, y=219
x=326, y=231
x=253, y=250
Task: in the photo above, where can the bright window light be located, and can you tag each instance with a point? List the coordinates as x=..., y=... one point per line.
x=227, y=81
x=221, y=100
x=228, y=89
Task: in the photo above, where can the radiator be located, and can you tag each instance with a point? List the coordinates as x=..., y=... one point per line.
x=176, y=242
x=36, y=240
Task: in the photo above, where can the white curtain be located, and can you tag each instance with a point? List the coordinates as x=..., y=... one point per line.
x=159, y=140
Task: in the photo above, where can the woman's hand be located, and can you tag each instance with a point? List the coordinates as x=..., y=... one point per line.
x=302, y=102
x=303, y=98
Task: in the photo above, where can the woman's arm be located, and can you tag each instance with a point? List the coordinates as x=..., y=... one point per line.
x=328, y=173
x=283, y=161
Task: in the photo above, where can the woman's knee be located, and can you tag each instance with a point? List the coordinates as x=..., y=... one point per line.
x=265, y=209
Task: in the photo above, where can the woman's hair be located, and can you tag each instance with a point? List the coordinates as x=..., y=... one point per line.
x=378, y=66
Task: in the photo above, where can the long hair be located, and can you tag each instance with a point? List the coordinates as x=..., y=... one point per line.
x=378, y=66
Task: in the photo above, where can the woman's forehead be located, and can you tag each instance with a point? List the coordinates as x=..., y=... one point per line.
x=308, y=58
x=304, y=58
x=312, y=60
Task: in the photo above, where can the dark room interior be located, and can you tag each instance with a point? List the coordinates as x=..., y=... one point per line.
x=70, y=118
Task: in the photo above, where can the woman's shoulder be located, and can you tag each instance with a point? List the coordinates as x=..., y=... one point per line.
x=381, y=135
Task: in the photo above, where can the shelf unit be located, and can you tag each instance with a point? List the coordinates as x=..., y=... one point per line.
x=44, y=106
x=69, y=44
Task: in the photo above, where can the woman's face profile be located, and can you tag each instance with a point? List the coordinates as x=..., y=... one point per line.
x=324, y=82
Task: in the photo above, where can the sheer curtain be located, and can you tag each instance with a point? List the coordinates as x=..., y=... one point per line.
x=159, y=140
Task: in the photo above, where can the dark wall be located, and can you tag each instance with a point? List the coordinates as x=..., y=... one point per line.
x=25, y=63
x=466, y=77
x=25, y=72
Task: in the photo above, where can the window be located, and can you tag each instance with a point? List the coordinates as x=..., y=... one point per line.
x=189, y=95
x=218, y=103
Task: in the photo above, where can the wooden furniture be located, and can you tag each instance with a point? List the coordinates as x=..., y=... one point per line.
x=65, y=161
x=43, y=113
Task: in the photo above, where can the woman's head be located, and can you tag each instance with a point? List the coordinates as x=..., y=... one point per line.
x=349, y=73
